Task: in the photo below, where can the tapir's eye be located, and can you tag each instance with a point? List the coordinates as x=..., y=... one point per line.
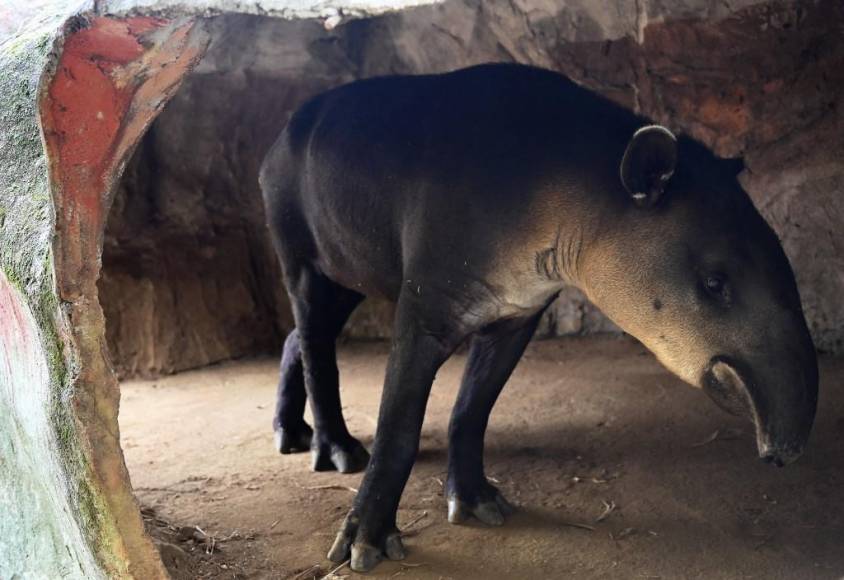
x=716, y=286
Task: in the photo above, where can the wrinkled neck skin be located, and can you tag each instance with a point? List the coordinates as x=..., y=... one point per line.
x=564, y=227
x=571, y=241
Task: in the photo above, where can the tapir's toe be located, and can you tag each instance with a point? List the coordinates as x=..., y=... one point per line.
x=364, y=557
x=346, y=457
x=394, y=547
x=492, y=512
x=293, y=440
x=350, y=461
x=342, y=546
x=363, y=554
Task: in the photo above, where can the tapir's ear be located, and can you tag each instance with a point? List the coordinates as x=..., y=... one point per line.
x=648, y=164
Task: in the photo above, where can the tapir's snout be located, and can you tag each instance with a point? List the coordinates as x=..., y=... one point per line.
x=780, y=398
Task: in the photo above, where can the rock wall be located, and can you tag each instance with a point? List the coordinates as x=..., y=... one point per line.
x=189, y=275
x=75, y=95
x=79, y=84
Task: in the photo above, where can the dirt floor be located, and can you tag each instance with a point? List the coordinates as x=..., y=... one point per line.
x=620, y=471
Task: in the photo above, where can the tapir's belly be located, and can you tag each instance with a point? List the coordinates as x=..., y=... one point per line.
x=372, y=266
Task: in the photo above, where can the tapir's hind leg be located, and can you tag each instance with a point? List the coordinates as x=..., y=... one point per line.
x=320, y=308
x=292, y=434
x=493, y=354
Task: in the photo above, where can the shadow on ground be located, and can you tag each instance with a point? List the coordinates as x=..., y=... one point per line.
x=620, y=470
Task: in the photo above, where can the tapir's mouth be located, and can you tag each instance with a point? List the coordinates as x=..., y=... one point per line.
x=730, y=385
x=727, y=386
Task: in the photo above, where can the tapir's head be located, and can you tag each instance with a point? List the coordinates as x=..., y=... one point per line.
x=689, y=267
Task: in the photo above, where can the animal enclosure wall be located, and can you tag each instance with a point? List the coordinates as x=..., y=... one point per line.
x=187, y=275
x=190, y=278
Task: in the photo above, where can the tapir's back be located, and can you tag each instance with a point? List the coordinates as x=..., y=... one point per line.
x=484, y=122
x=381, y=171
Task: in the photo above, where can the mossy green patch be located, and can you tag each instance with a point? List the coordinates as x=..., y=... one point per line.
x=60, y=482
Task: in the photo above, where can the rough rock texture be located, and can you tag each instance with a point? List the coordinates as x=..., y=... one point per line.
x=110, y=81
x=66, y=508
x=43, y=489
x=189, y=277
x=758, y=78
x=187, y=265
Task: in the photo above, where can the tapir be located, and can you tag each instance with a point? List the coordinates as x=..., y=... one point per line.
x=470, y=199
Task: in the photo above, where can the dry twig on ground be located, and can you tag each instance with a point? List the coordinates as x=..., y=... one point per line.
x=609, y=507
x=332, y=486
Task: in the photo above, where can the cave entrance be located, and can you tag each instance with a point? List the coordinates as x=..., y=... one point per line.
x=189, y=276
x=189, y=286
x=196, y=312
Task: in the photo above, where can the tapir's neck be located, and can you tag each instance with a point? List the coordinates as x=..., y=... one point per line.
x=571, y=230
x=560, y=261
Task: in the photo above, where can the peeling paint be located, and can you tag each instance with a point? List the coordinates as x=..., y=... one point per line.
x=110, y=81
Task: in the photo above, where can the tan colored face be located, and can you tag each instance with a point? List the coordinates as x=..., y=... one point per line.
x=715, y=301
x=647, y=296
x=688, y=266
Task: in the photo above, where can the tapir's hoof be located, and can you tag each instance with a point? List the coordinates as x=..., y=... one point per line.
x=293, y=440
x=347, y=457
x=491, y=510
x=364, y=555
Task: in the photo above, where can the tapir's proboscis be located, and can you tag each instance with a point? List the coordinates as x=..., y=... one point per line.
x=470, y=199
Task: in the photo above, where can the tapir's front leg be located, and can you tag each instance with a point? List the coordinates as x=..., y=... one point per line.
x=420, y=346
x=493, y=354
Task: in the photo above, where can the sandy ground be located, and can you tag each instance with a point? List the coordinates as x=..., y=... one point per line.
x=583, y=424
